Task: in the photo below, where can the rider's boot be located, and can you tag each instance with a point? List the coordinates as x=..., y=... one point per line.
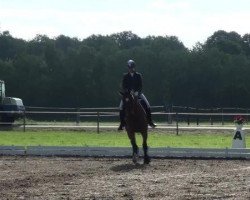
x=122, y=120
x=149, y=118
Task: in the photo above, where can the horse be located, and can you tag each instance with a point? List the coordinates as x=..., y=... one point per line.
x=135, y=121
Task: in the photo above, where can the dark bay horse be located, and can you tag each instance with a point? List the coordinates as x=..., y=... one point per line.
x=135, y=121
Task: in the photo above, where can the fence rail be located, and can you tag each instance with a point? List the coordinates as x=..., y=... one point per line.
x=177, y=120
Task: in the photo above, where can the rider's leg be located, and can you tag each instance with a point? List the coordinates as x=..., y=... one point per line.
x=122, y=116
x=147, y=110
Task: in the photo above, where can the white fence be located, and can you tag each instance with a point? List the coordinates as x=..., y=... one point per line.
x=76, y=118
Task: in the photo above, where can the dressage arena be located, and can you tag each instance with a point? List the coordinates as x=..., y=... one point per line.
x=108, y=173
x=35, y=177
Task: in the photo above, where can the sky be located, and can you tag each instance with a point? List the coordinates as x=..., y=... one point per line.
x=191, y=21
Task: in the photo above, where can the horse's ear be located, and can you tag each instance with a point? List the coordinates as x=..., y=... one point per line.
x=121, y=93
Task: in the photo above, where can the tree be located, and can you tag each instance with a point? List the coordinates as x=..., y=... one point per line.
x=246, y=44
x=9, y=46
x=64, y=43
x=126, y=39
x=68, y=72
x=228, y=42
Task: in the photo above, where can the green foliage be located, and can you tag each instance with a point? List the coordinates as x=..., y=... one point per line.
x=69, y=72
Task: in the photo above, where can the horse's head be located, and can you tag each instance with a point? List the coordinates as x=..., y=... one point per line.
x=129, y=101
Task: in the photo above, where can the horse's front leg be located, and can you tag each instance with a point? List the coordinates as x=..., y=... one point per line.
x=134, y=146
x=145, y=148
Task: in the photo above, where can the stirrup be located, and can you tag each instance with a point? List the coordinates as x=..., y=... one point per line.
x=120, y=128
x=152, y=124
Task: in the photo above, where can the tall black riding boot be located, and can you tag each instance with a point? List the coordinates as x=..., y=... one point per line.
x=149, y=118
x=122, y=120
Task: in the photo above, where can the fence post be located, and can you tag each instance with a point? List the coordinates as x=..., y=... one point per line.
x=197, y=117
x=247, y=116
x=177, y=124
x=211, y=117
x=222, y=117
x=188, y=117
x=170, y=110
x=166, y=111
x=98, y=122
x=24, y=121
x=77, y=116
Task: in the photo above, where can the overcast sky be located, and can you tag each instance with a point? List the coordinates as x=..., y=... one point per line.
x=191, y=21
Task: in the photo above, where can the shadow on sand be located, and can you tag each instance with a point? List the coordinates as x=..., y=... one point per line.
x=128, y=167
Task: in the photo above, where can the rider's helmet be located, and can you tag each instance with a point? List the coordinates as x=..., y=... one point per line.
x=131, y=64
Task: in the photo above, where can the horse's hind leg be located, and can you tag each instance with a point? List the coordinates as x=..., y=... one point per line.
x=145, y=148
x=135, y=147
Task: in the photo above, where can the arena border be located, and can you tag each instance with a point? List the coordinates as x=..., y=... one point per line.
x=119, y=152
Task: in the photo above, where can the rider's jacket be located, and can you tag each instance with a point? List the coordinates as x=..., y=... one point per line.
x=132, y=82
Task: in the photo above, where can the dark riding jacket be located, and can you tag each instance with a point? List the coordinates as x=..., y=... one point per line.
x=134, y=82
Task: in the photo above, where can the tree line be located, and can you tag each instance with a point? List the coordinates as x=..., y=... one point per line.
x=69, y=72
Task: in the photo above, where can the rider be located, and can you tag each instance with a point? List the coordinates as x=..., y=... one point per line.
x=132, y=81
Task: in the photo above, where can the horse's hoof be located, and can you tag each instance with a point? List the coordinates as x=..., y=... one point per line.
x=146, y=160
x=135, y=158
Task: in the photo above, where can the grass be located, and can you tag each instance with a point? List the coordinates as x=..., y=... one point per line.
x=115, y=139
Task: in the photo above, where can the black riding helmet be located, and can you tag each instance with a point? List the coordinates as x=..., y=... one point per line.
x=131, y=64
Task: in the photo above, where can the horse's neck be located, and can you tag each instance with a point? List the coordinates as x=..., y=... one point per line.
x=137, y=109
x=140, y=108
